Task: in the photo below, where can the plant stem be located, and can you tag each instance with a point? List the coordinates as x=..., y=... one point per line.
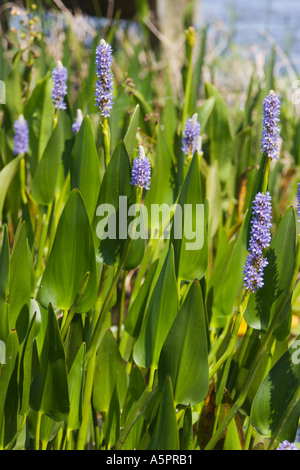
x=23, y=179
x=249, y=379
x=121, y=310
x=69, y=316
x=37, y=430
x=86, y=402
x=133, y=417
x=106, y=141
x=233, y=337
x=188, y=84
x=42, y=243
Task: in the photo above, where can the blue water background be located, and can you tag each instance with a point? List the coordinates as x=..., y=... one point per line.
x=248, y=19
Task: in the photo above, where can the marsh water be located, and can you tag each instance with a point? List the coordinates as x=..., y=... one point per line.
x=249, y=19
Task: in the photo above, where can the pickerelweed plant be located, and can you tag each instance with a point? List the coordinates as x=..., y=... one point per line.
x=114, y=341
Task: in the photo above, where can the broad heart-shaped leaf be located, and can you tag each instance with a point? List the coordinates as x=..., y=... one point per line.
x=184, y=355
x=6, y=176
x=109, y=368
x=219, y=133
x=85, y=167
x=49, y=391
x=45, y=177
x=115, y=198
x=165, y=435
x=8, y=385
x=189, y=231
x=71, y=257
x=277, y=394
x=266, y=301
x=162, y=310
x=38, y=113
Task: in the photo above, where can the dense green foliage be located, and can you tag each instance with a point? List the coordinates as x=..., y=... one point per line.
x=142, y=344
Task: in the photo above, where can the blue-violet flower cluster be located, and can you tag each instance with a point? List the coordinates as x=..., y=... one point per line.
x=78, y=121
x=191, y=135
x=21, y=138
x=104, y=83
x=59, y=90
x=286, y=445
x=141, y=170
x=270, y=132
x=260, y=239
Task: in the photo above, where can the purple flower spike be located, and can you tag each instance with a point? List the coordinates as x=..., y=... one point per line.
x=77, y=123
x=104, y=83
x=21, y=138
x=59, y=91
x=270, y=133
x=141, y=171
x=260, y=239
x=191, y=135
x=286, y=445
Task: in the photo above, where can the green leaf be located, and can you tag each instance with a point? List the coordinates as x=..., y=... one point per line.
x=232, y=439
x=7, y=174
x=49, y=391
x=219, y=133
x=169, y=112
x=71, y=257
x=85, y=167
x=184, y=355
x=135, y=390
x=8, y=390
x=38, y=113
x=14, y=89
x=109, y=368
x=213, y=192
x=116, y=184
x=75, y=379
x=130, y=137
x=45, y=177
x=20, y=282
x=111, y=426
x=228, y=280
x=165, y=434
x=26, y=369
x=186, y=440
x=135, y=314
x=204, y=111
x=4, y=277
x=162, y=182
x=189, y=232
x=264, y=303
x=161, y=312
x=276, y=395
